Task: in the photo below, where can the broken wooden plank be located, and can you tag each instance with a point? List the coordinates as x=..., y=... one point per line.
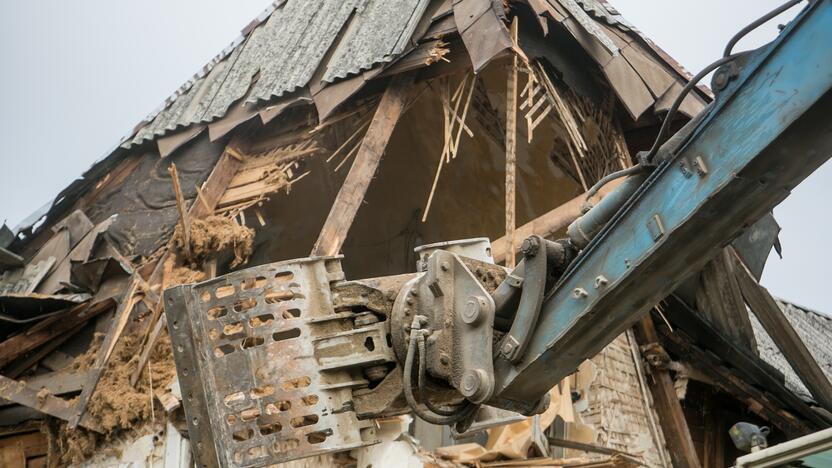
x=212, y=189
x=184, y=222
x=252, y=190
x=671, y=416
x=352, y=192
x=780, y=330
x=548, y=224
x=216, y=183
x=18, y=392
x=511, y=150
x=56, y=383
x=591, y=448
x=94, y=373
x=148, y=349
x=16, y=368
x=57, y=360
x=10, y=259
x=719, y=299
x=18, y=345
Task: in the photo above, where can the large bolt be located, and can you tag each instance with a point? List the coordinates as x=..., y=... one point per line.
x=530, y=246
x=476, y=385
x=471, y=383
x=473, y=309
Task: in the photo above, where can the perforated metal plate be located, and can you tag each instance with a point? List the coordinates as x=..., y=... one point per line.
x=253, y=352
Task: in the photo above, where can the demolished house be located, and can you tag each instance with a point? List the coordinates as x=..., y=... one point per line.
x=368, y=128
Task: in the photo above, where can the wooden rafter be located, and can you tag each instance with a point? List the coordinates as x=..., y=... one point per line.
x=94, y=374
x=352, y=192
x=719, y=299
x=784, y=335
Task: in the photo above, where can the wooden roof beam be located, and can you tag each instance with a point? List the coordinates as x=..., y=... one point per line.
x=349, y=198
x=784, y=335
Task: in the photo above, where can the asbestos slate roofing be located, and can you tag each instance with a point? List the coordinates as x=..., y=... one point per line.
x=814, y=329
x=282, y=52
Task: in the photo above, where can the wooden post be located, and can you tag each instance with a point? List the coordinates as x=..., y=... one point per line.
x=184, y=223
x=511, y=149
x=671, y=417
x=715, y=434
x=784, y=335
x=363, y=168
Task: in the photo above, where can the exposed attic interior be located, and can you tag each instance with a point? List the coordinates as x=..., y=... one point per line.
x=368, y=147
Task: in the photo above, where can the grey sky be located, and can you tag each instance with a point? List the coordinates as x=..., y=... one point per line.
x=78, y=76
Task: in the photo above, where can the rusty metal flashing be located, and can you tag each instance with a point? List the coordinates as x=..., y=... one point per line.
x=481, y=25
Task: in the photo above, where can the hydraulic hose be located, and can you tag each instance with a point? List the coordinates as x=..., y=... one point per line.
x=428, y=415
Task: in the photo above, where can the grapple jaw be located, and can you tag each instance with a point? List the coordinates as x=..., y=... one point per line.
x=268, y=359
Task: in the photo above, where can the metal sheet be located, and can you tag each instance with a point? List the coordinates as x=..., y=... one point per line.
x=292, y=44
x=378, y=33
x=628, y=86
x=483, y=32
x=756, y=242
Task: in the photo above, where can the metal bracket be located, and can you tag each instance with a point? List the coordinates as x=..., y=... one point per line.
x=515, y=341
x=460, y=315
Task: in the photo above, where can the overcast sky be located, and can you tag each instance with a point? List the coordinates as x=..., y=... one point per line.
x=77, y=76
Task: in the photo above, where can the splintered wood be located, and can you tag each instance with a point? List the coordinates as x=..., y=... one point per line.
x=263, y=174
x=592, y=142
x=536, y=103
x=454, y=124
x=183, y=212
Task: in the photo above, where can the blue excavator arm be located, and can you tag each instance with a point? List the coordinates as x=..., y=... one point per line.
x=769, y=128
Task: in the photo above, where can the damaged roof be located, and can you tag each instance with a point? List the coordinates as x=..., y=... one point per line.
x=295, y=49
x=813, y=328
x=294, y=41
x=283, y=52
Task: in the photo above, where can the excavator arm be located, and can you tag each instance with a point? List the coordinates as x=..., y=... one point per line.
x=288, y=360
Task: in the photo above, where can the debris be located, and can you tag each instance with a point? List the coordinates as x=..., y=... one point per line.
x=595, y=89
x=214, y=235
